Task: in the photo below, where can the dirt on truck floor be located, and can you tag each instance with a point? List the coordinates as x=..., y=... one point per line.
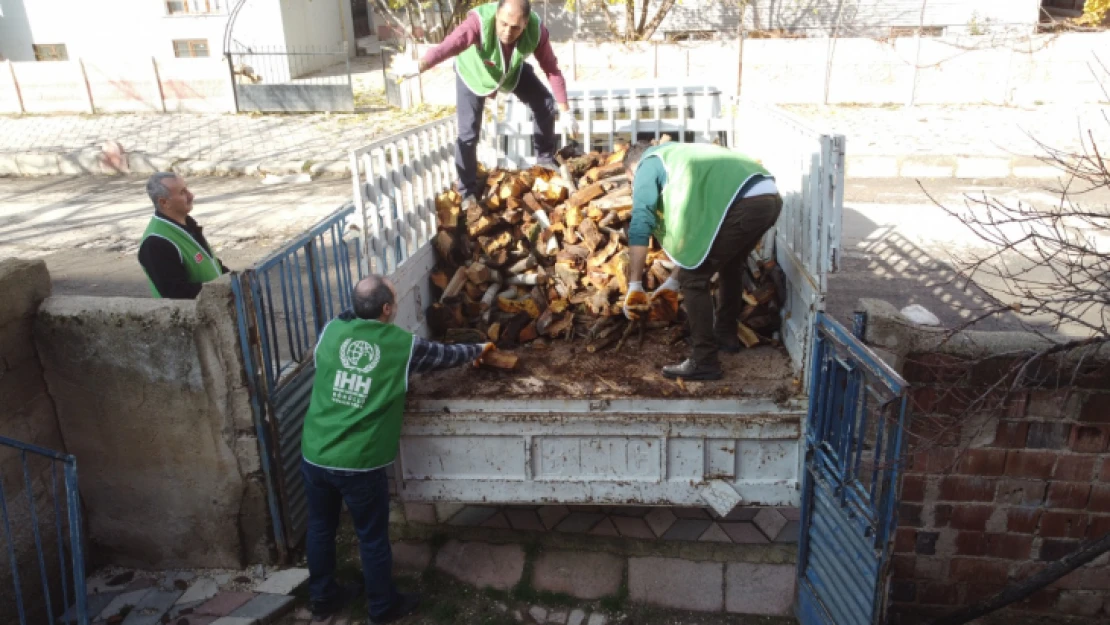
x=567, y=371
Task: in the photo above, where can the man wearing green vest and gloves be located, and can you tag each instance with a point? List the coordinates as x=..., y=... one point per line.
x=707, y=207
x=174, y=253
x=351, y=432
x=491, y=47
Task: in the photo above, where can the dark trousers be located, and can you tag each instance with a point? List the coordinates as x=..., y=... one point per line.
x=366, y=494
x=745, y=223
x=532, y=93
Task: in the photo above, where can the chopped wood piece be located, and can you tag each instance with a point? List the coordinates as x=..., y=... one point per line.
x=591, y=238
x=440, y=279
x=528, y=334
x=498, y=359
x=455, y=285
x=613, y=203
x=478, y=273
x=582, y=196
x=747, y=336
x=464, y=335
x=445, y=244
x=494, y=332
x=532, y=203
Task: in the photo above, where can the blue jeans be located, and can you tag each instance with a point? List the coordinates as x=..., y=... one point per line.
x=366, y=494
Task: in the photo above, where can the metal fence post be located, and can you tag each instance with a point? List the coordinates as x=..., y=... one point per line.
x=158, y=83
x=73, y=506
x=231, y=76
x=18, y=91
x=88, y=87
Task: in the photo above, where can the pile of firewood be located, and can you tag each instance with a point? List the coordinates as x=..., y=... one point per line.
x=545, y=255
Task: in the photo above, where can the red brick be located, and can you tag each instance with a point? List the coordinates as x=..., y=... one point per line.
x=1074, y=468
x=1098, y=526
x=1021, y=492
x=1090, y=439
x=1011, y=434
x=1104, y=472
x=904, y=540
x=976, y=570
x=935, y=460
x=966, y=488
x=913, y=488
x=942, y=514
x=1009, y=546
x=1047, y=435
x=903, y=565
x=1023, y=520
x=926, y=543
x=1041, y=601
x=1068, y=495
x=909, y=515
x=1096, y=409
x=971, y=544
x=1017, y=405
x=982, y=590
x=930, y=368
x=1100, y=499
x=970, y=517
x=1002, y=546
x=938, y=594
x=1063, y=524
x=983, y=462
x=1037, y=464
x=1053, y=549
x=1055, y=404
x=990, y=371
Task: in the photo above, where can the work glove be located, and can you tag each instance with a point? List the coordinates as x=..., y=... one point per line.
x=489, y=347
x=636, y=301
x=404, y=67
x=572, y=124
x=670, y=285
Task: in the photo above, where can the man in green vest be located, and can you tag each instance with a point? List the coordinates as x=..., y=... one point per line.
x=351, y=433
x=707, y=207
x=491, y=47
x=174, y=253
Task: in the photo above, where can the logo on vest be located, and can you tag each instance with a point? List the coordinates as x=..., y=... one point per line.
x=199, y=258
x=350, y=388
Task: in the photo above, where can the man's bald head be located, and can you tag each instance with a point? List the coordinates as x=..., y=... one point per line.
x=374, y=298
x=512, y=19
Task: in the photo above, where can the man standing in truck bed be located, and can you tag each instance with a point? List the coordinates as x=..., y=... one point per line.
x=492, y=45
x=708, y=207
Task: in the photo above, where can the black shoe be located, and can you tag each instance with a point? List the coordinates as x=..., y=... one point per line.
x=322, y=611
x=406, y=605
x=689, y=370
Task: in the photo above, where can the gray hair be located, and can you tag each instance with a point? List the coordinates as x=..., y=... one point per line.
x=156, y=187
x=370, y=296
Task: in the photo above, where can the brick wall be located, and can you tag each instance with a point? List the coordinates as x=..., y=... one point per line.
x=996, y=490
x=27, y=415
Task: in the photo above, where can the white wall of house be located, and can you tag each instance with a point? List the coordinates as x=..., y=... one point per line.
x=319, y=25
x=130, y=28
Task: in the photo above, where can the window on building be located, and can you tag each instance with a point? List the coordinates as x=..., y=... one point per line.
x=190, y=48
x=193, y=7
x=50, y=52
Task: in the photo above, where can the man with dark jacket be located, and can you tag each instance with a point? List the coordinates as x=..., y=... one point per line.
x=174, y=253
x=351, y=433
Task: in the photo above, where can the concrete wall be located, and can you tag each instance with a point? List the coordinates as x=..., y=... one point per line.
x=150, y=398
x=998, y=484
x=27, y=415
x=870, y=18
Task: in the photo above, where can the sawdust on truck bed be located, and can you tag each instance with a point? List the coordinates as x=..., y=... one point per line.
x=562, y=369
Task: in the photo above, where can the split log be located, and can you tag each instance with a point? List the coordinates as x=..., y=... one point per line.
x=498, y=359
x=455, y=285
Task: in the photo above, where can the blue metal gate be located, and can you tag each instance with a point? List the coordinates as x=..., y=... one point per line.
x=282, y=304
x=38, y=518
x=853, y=443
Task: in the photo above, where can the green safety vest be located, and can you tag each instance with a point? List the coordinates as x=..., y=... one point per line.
x=200, y=265
x=482, y=65
x=358, y=395
x=702, y=182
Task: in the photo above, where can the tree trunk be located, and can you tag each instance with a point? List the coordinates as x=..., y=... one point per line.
x=383, y=7
x=658, y=19
x=643, y=17
x=603, y=6
x=1021, y=590
x=630, y=33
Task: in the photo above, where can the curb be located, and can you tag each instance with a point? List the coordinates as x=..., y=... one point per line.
x=94, y=162
x=960, y=167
